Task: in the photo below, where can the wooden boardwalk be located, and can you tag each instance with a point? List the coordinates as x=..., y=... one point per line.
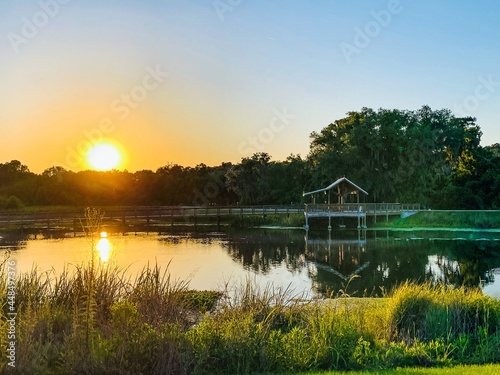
x=169, y=215
x=359, y=211
x=137, y=216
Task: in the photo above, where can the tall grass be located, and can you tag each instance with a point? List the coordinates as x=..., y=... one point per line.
x=437, y=311
x=55, y=331
x=155, y=325
x=464, y=321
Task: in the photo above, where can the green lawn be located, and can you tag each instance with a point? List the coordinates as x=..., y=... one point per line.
x=459, y=370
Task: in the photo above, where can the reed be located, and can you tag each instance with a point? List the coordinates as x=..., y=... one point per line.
x=156, y=325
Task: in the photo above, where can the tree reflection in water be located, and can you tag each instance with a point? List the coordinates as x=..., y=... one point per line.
x=367, y=264
x=261, y=251
x=358, y=263
x=13, y=241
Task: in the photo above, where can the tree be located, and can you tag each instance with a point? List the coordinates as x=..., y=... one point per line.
x=398, y=156
x=251, y=179
x=424, y=156
x=13, y=171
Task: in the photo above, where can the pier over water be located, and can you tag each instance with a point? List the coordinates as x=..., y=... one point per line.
x=349, y=199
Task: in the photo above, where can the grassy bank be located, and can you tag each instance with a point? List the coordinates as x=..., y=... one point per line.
x=447, y=219
x=423, y=219
x=457, y=370
x=95, y=320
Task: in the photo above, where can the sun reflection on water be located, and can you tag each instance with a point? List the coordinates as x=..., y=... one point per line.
x=104, y=247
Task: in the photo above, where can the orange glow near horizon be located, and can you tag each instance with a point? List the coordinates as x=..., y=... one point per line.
x=146, y=140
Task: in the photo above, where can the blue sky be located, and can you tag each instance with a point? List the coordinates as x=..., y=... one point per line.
x=243, y=76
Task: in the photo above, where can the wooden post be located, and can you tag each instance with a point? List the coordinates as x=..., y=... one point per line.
x=135, y=224
x=306, y=227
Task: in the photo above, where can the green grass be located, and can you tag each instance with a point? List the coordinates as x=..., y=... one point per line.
x=96, y=320
x=457, y=370
x=447, y=219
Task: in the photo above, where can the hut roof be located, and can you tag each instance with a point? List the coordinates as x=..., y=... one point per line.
x=338, y=182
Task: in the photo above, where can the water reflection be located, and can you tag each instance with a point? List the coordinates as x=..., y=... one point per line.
x=263, y=251
x=12, y=241
x=357, y=263
x=361, y=266
x=364, y=267
x=104, y=247
x=469, y=263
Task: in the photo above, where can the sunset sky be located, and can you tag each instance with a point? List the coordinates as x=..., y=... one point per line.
x=204, y=81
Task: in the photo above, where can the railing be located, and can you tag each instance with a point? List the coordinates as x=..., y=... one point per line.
x=49, y=219
x=112, y=213
x=364, y=208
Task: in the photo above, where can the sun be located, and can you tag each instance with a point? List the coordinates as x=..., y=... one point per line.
x=103, y=157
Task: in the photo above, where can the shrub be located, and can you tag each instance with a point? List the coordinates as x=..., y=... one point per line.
x=201, y=301
x=408, y=309
x=13, y=202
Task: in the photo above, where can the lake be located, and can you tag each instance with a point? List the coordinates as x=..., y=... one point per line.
x=358, y=263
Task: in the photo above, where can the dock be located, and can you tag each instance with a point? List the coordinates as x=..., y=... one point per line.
x=359, y=211
x=147, y=217
x=351, y=203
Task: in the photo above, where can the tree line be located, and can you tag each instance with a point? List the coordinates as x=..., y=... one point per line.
x=422, y=156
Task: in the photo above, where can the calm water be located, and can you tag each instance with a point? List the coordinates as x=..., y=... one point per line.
x=315, y=266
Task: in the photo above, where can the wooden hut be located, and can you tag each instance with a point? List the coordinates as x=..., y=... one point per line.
x=344, y=190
